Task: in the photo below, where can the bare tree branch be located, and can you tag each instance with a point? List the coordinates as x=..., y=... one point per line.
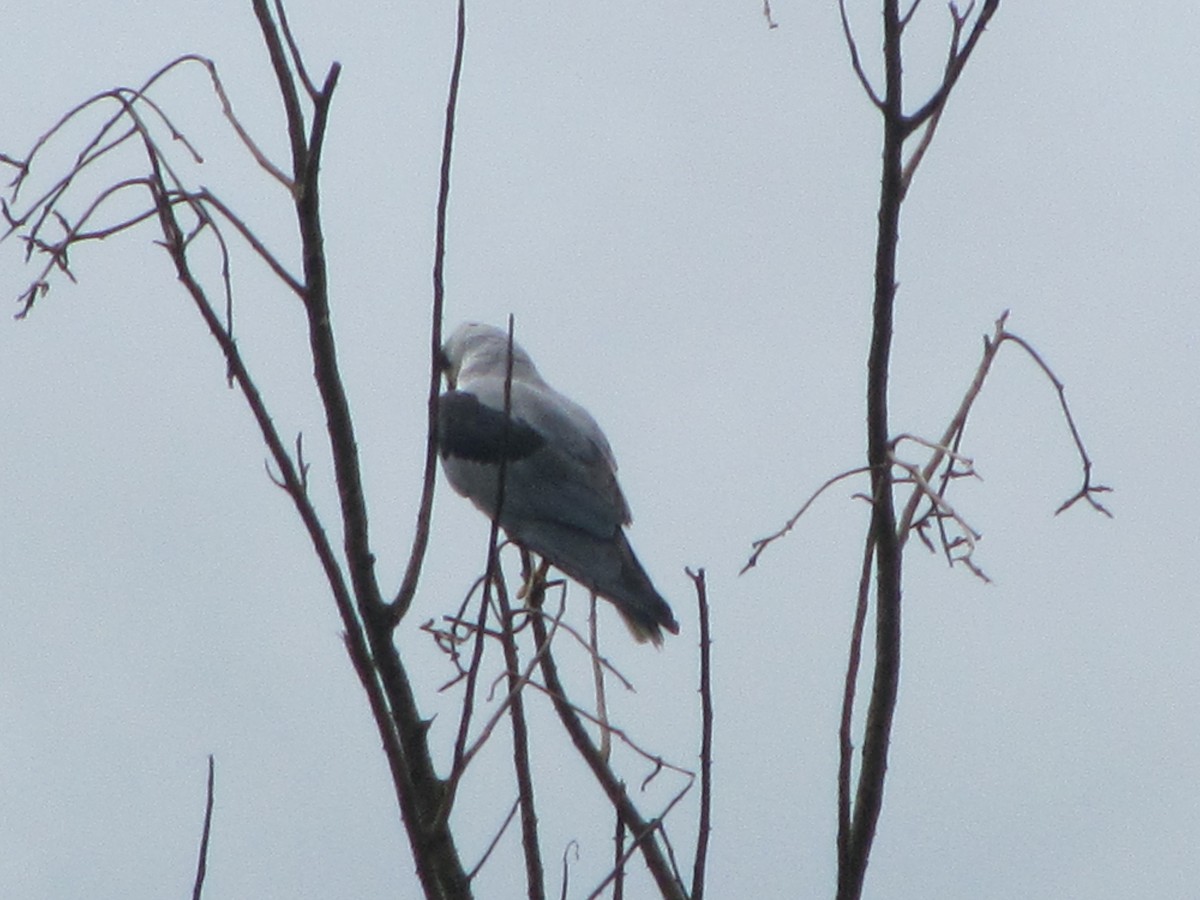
x=907, y=17
x=419, y=790
x=857, y=822
x=204, y=197
x=463, y=755
x=641, y=831
x=227, y=108
x=408, y=586
x=535, y=877
x=945, y=449
x=460, y=758
x=959, y=20
x=618, y=869
x=885, y=685
x=202, y=862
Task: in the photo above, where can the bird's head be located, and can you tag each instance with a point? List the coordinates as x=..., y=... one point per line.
x=476, y=349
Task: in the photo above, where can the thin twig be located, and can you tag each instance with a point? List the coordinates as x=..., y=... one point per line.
x=108, y=231
x=845, y=742
x=945, y=511
x=771, y=23
x=494, y=841
x=202, y=862
x=296, y=130
x=89, y=152
x=598, y=680
x=248, y=142
x=95, y=148
x=459, y=758
x=704, y=827
x=469, y=628
x=492, y=576
x=297, y=59
x=854, y=58
x=57, y=251
x=620, y=734
x=907, y=17
x=946, y=448
x=566, y=869
x=1088, y=489
x=206, y=197
x=959, y=20
x=408, y=586
x=762, y=543
x=953, y=70
x=655, y=826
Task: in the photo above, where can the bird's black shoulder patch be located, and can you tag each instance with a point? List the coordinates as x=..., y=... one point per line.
x=470, y=430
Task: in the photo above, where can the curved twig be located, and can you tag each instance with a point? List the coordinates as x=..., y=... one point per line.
x=1088, y=489
x=855, y=61
x=762, y=543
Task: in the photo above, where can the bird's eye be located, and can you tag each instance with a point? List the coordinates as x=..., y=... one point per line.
x=443, y=360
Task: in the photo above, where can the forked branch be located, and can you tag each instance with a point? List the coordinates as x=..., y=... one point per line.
x=184, y=213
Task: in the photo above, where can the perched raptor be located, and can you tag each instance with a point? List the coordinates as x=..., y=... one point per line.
x=561, y=497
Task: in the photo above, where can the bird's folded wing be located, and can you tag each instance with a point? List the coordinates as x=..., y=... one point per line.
x=469, y=430
x=560, y=467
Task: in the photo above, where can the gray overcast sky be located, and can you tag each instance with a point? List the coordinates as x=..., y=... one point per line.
x=678, y=206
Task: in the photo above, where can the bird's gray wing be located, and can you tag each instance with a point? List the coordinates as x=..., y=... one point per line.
x=575, y=467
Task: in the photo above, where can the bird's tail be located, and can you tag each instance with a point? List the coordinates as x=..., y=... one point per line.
x=634, y=595
x=610, y=568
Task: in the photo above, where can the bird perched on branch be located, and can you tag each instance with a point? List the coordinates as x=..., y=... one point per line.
x=561, y=497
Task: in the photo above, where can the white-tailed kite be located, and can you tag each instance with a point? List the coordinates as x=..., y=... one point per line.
x=561, y=497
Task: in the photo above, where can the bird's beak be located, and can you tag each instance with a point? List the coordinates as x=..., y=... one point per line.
x=447, y=370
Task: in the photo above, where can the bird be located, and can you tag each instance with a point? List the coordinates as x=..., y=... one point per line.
x=561, y=496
